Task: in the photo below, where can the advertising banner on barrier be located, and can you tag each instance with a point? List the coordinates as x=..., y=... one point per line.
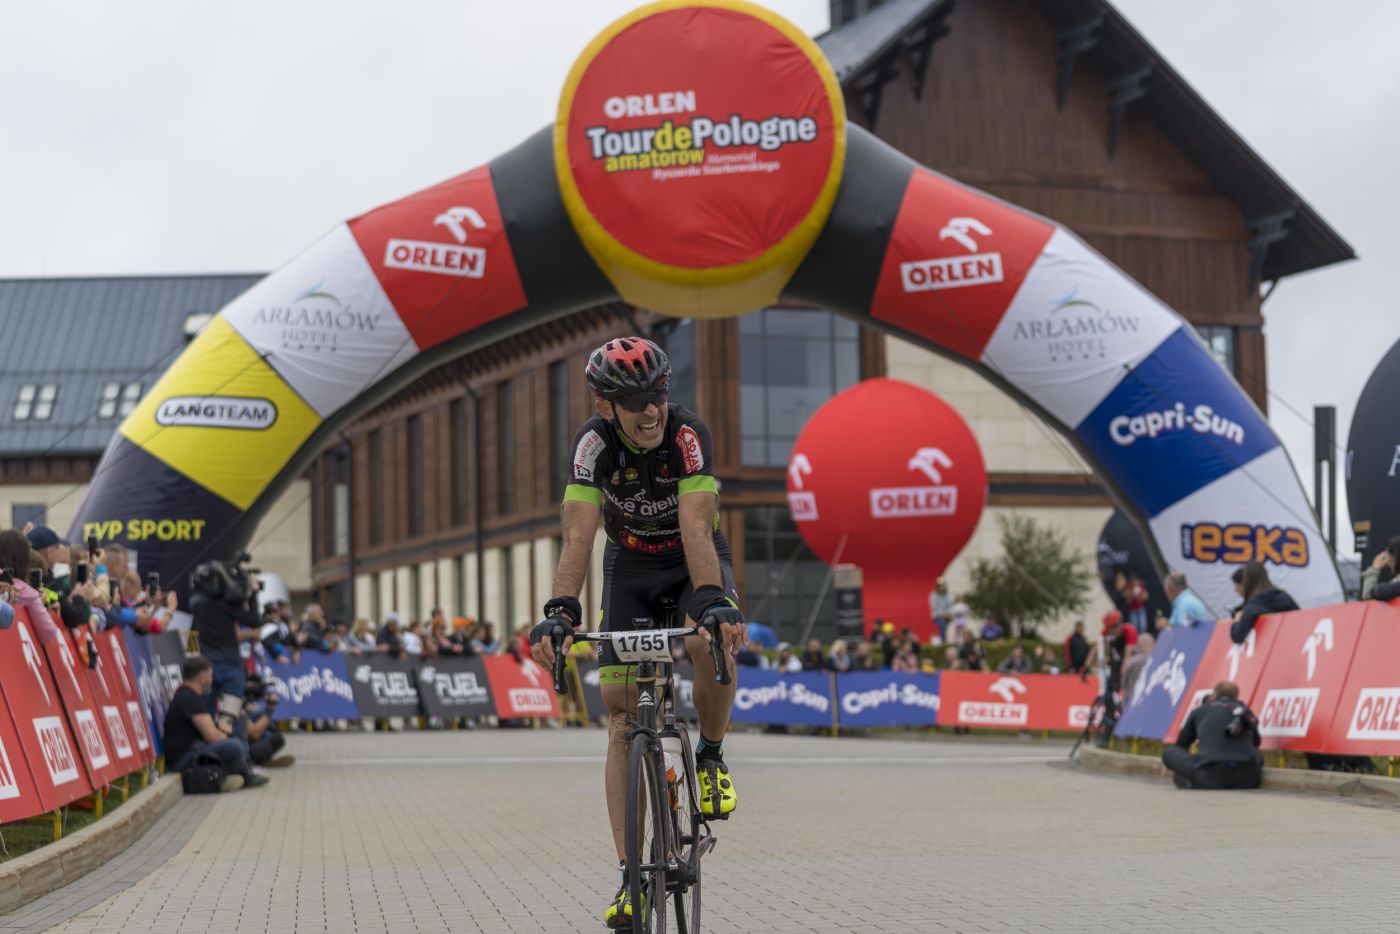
x=683, y=673
x=1015, y=702
x=1159, y=689
x=19, y=795
x=385, y=687
x=83, y=716
x=592, y=687
x=170, y=654
x=105, y=683
x=802, y=698
x=1223, y=660
x=116, y=658
x=1367, y=721
x=37, y=711
x=520, y=689
x=150, y=684
x=887, y=698
x=1298, y=694
x=315, y=687
x=455, y=687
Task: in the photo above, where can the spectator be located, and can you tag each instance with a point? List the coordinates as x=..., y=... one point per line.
x=940, y=608
x=265, y=741
x=1260, y=597
x=486, y=642
x=440, y=637
x=1077, y=650
x=189, y=728
x=971, y=653
x=1228, y=733
x=276, y=635
x=461, y=636
x=786, y=660
x=135, y=609
x=360, y=639
x=1136, y=661
x=952, y=659
x=814, y=659
x=1017, y=662
x=961, y=621
x=1045, y=661
x=749, y=657
x=413, y=639
x=112, y=561
x=863, y=661
x=883, y=632
x=1379, y=581
x=1187, y=608
x=314, y=628
x=389, y=639
x=840, y=658
x=991, y=629
x=1135, y=598
x=15, y=555
x=906, y=657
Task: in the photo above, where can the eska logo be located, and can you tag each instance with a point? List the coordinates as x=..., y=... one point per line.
x=1240, y=543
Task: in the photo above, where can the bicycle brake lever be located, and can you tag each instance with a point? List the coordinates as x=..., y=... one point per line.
x=556, y=636
x=722, y=674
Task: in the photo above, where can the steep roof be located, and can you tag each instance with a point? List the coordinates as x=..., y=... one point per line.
x=82, y=334
x=1296, y=236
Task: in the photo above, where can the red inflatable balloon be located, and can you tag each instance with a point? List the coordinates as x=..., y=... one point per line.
x=889, y=477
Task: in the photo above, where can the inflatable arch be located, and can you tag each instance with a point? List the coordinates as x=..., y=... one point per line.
x=701, y=165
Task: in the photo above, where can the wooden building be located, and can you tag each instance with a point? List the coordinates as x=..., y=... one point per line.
x=448, y=493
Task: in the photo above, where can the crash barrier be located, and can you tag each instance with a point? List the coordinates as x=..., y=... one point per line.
x=1322, y=680
x=67, y=728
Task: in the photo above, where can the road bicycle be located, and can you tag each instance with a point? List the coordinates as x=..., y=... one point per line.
x=665, y=832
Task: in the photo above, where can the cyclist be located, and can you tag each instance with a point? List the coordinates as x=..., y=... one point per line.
x=645, y=469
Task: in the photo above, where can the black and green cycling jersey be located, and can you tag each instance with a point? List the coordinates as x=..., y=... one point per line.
x=639, y=491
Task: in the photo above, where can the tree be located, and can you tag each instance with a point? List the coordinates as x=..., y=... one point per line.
x=1038, y=577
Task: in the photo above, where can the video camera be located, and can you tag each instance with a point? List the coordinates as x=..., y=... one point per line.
x=227, y=581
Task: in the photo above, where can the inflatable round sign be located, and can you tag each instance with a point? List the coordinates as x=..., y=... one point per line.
x=727, y=115
x=1373, y=460
x=889, y=477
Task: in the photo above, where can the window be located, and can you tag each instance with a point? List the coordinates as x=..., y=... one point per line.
x=195, y=322
x=376, y=481
x=507, y=627
x=677, y=338
x=415, y=475
x=1221, y=341
x=783, y=577
x=561, y=431
x=35, y=402
x=457, y=455
x=459, y=580
x=415, y=594
x=505, y=448
x=790, y=362
x=28, y=512
x=338, y=513
x=118, y=399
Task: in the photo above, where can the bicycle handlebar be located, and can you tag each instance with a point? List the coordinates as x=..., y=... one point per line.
x=560, y=632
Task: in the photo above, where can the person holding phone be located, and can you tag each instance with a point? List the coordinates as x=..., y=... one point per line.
x=14, y=554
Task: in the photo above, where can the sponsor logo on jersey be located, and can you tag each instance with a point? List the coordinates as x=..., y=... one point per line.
x=1241, y=542
x=692, y=457
x=586, y=455
x=631, y=474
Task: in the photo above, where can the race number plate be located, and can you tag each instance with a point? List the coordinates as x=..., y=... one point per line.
x=642, y=646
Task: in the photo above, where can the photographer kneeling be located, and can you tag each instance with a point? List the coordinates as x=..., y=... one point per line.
x=265, y=741
x=191, y=730
x=1228, y=733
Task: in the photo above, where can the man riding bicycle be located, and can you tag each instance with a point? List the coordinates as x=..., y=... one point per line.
x=645, y=468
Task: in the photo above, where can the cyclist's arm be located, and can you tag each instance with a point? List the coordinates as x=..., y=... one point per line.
x=697, y=521
x=580, y=517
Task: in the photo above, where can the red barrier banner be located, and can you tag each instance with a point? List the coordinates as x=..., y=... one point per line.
x=1298, y=694
x=521, y=689
x=1367, y=721
x=19, y=796
x=1015, y=702
x=43, y=734
x=1225, y=661
x=117, y=662
x=111, y=709
x=83, y=714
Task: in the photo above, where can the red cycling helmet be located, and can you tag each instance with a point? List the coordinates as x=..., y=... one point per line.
x=627, y=365
x=1110, y=619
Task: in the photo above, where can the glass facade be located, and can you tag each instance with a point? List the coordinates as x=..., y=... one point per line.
x=783, y=577
x=790, y=362
x=1221, y=341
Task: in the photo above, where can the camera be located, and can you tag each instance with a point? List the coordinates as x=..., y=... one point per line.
x=225, y=581
x=1239, y=722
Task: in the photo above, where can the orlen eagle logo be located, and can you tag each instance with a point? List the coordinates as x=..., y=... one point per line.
x=530, y=700
x=954, y=272
x=217, y=412
x=444, y=259
x=802, y=503
x=1009, y=712
x=692, y=455
x=1241, y=542
x=936, y=500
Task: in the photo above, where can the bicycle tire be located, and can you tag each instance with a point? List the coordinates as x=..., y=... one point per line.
x=687, y=822
x=646, y=830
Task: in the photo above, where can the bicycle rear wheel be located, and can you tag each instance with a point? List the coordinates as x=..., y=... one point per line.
x=646, y=830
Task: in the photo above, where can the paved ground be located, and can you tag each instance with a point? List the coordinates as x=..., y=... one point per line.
x=494, y=831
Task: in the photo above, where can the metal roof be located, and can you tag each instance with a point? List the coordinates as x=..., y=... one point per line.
x=80, y=334
x=1269, y=204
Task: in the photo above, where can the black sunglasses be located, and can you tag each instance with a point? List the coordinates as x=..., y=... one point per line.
x=637, y=402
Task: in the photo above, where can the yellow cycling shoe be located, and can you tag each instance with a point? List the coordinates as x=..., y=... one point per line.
x=717, y=795
x=619, y=913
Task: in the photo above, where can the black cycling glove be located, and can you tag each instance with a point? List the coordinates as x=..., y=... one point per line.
x=566, y=608
x=710, y=600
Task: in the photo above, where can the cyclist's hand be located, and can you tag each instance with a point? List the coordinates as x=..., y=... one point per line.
x=733, y=631
x=542, y=640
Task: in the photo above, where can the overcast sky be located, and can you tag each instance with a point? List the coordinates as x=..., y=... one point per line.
x=177, y=137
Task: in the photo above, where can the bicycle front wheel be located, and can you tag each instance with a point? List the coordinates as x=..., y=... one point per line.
x=645, y=828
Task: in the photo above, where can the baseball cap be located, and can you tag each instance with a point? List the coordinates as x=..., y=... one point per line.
x=41, y=537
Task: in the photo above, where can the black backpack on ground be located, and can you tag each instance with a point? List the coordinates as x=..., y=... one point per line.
x=204, y=775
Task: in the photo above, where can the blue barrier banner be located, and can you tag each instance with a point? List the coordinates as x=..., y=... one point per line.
x=150, y=683
x=1158, y=691
x=886, y=698
x=317, y=687
x=801, y=698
